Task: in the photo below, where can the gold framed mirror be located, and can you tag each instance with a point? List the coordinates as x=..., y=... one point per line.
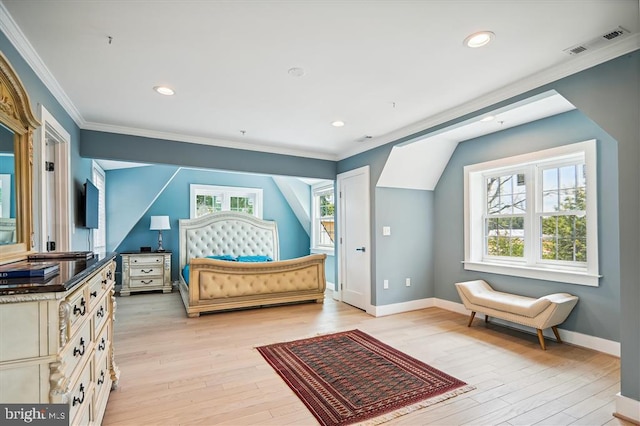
x=17, y=124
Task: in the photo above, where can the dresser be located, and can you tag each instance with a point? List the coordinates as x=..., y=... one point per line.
x=145, y=271
x=56, y=339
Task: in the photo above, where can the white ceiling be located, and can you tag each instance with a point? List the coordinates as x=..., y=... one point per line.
x=386, y=68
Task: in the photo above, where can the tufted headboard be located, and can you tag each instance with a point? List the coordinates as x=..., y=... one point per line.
x=234, y=233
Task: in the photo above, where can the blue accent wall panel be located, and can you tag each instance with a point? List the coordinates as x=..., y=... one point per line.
x=174, y=202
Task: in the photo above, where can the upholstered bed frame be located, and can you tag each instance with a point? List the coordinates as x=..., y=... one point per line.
x=215, y=285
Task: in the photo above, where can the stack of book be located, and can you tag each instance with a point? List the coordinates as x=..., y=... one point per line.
x=65, y=255
x=29, y=269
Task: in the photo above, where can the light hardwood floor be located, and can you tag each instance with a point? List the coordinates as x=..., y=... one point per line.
x=177, y=370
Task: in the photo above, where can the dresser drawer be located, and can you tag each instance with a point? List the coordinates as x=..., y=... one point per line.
x=146, y=271
x=78, y=309
x=83, y=415
x=102, y=341
x=97, y=287
x=146, y=260
x=81, y=394
x=101, y=314
x=101, y=374
x=78, y=349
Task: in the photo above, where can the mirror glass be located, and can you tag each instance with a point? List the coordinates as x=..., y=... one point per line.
x=7, y=187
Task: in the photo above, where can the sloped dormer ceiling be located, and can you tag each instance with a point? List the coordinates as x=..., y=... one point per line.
x=418, y=164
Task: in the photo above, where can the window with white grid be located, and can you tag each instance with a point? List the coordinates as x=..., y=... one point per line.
x=534, y=215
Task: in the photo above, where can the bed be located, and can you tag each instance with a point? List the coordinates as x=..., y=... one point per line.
x=233, y=261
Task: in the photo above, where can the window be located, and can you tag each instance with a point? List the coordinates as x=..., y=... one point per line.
x=534, y=215
x=100, y=234
x=205, y=199
x=323, y=208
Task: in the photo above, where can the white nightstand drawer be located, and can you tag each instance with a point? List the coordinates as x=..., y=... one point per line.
x=145, y=282
x=150, y=259
x=146, y=271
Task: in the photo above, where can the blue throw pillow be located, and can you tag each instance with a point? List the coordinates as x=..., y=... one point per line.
x=228, y=257
x=254, y=259
x=185, y=274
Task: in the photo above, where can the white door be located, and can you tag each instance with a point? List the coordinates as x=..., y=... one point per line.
x=354, y=243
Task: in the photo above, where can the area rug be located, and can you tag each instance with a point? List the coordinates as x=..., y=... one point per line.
x=351, y=377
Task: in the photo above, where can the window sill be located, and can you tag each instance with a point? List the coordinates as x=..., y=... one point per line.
x=564, y=276
x=327, y=251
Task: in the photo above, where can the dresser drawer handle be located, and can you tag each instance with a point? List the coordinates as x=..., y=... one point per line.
x=101, y=379
x=77, y=351
x=81, y=399
x=144, y=271
x=109, y=274
x=102, y=345
x=146, y=282
x=100, y=312
x=82, y=310
x=93, y=294
x=104, y=282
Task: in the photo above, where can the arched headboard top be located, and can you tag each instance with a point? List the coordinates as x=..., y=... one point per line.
x=232, y=233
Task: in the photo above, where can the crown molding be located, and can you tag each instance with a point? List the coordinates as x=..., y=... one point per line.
x=178, y=137
x=572, y=66
x=17, y=38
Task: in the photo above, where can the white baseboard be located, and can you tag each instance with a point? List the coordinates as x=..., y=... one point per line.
x=627, y=408
x=578, y=339
x=331, y=286
x=397, y=308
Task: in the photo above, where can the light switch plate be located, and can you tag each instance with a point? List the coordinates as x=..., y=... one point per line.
x=386, y=230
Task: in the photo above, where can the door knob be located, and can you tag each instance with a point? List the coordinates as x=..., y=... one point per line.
x=361, y=249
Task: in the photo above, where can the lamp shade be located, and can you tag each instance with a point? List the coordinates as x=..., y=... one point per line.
x=158, y=223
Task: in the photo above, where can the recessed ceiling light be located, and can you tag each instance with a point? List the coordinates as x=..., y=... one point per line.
x=479, y=39
x=337, y=123
x=164, y=90
x=488, y=118
x=296, y=72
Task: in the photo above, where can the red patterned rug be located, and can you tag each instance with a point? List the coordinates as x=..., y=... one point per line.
x=351, y=377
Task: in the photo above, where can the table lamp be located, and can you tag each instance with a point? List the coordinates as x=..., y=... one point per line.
x=159, y=223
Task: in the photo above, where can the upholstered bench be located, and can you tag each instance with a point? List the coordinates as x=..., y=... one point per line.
x=544, y=312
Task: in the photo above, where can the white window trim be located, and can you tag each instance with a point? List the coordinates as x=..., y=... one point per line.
x=315, y=189
x=473, y=223
x=225, y=191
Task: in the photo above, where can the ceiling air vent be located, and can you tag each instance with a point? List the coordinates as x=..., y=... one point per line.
x=610, y=36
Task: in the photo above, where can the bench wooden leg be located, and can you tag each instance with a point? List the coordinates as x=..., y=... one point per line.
x=473, y=314
x=555, y=331
x=541, y=339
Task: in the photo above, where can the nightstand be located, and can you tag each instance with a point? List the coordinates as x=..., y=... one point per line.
x=145, y=271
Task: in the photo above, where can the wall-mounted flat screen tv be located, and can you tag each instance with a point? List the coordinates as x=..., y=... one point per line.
x=89, y=205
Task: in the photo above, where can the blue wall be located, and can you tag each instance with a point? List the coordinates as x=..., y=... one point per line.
x=143, y=192
x=408, y=251
x=159, y=151
x=597, y=313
